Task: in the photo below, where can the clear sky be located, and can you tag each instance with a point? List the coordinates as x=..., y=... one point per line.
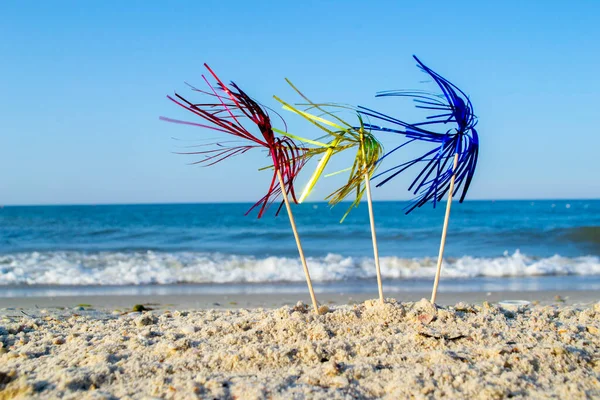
x=84, y=82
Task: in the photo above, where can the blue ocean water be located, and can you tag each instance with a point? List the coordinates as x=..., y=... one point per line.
x=113, y=245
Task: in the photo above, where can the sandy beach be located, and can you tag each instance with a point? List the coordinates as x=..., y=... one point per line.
x=187, y=348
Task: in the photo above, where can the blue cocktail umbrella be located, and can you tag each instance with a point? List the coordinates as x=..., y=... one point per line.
x=450, y=165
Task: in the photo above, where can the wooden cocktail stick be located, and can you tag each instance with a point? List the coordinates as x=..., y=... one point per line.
x=300, y=251
x=444, y=231
x=374, y=237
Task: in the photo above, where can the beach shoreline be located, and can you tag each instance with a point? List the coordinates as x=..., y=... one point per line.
x=275, y=300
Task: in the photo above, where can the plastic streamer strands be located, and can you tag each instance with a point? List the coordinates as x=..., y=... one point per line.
x=230, y=110
x=342, y=136
x=451, y=128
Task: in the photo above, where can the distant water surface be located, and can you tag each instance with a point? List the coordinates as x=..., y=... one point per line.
x=115, y=245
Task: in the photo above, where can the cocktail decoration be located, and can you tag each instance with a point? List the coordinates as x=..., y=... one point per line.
x=339, y=137
x=229, y=110
x=450, y=165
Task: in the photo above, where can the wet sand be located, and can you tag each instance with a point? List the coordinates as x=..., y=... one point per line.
x=281, y=299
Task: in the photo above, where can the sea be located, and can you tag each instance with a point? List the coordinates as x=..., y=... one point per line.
x=215, y=248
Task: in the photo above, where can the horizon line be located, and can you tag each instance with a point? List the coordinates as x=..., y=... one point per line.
x=250, y=202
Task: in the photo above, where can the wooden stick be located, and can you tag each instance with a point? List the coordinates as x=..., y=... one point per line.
x=444, y=231
x=374, y=237
x=300, y=251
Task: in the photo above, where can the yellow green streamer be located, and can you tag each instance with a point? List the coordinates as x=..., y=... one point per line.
x=343, y=136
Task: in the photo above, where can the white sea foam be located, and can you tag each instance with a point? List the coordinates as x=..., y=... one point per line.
x=139, y=268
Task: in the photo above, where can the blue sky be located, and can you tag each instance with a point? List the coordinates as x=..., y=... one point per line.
x=83, y=85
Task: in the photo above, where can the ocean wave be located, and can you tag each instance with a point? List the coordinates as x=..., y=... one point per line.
x=149, y=267
x=589, y=234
